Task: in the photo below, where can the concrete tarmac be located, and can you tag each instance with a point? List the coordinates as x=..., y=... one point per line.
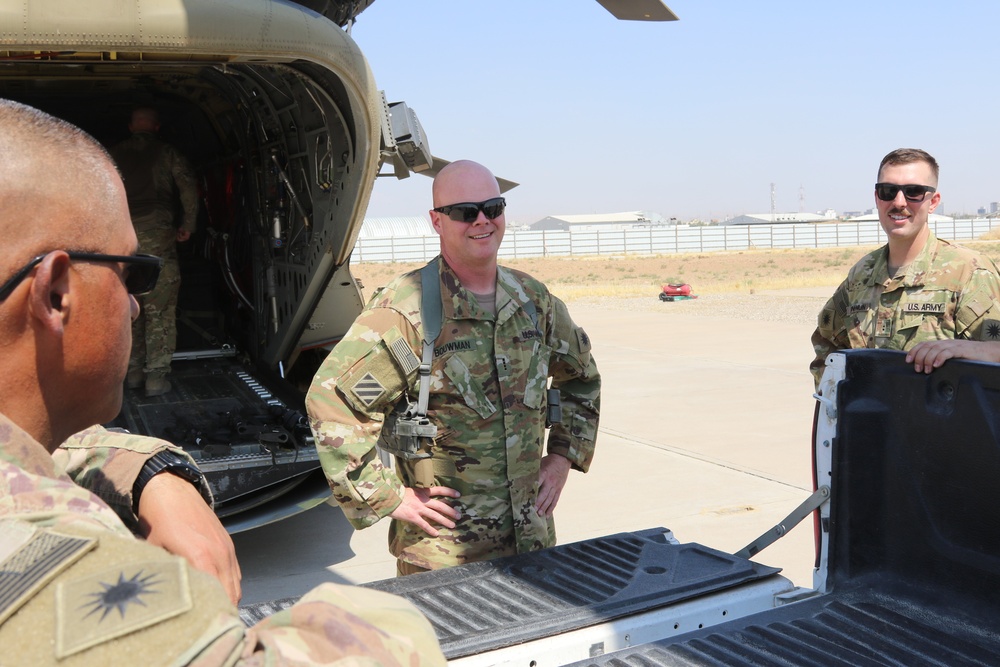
x=705, y=429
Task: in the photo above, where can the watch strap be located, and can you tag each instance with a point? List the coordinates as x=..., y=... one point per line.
x=167, y=461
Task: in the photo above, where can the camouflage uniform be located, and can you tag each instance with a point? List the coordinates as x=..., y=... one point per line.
x=946, y=292
x=76, y=588
x=152, y=169
x=488, y=400
x=107, y=463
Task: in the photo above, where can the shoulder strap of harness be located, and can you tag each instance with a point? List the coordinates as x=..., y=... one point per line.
x=431, y=320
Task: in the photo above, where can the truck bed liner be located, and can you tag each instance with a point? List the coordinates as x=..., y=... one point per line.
x=855, y=629
x=485, y=606
x=914, y=569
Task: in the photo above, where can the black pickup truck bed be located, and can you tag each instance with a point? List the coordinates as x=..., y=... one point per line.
x=914, y=563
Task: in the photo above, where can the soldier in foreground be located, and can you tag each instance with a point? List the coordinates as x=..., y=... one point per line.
x=78, y=588
x=475, y=479
x=918, y=293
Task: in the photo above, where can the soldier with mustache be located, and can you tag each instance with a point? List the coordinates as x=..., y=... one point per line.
x=918, y=293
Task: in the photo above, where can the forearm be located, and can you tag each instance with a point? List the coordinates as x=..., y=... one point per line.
x=107, y=463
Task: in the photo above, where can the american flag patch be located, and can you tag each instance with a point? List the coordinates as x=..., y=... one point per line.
x=401, y=351
x=368, y=389
x=30, y=558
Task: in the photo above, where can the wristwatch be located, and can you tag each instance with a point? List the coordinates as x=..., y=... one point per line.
x=168, y=461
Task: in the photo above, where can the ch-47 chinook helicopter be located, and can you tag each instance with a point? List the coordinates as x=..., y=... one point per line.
x=275, y=105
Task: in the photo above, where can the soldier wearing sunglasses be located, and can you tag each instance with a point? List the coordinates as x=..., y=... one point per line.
x=77, y=586
x=485, y=481
x=918, y=293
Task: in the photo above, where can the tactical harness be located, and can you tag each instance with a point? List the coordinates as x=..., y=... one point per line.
x=407, y=431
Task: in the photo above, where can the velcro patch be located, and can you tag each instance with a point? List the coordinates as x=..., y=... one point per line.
x=990, y=330
x=925, y=307
x=368, y=389
x=404, y=356
x=30, y=558
x=118, y=601
x=583, y=340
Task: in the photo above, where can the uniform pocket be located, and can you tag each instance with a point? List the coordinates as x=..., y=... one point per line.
x=537, y=379
x=466, y=385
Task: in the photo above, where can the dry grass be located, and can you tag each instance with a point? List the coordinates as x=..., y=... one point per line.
x=708, y=273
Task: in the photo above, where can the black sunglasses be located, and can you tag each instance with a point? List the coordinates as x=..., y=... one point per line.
x=140, y=274
x=914, y=193
x=469, y=211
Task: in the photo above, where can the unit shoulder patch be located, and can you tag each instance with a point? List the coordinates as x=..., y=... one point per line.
x=368, y=389
x=990, y=330
x=117, y=601
x=31, y=557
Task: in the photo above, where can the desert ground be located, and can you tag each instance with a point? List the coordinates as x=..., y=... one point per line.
x=734, y=272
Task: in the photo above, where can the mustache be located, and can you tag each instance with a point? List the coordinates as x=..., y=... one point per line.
x=899, y=211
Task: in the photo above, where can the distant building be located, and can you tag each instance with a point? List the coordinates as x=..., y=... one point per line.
x=611, y=221
x=873, y=217
x=382, y=228
x=777, y=218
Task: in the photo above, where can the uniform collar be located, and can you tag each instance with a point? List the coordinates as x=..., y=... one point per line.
x=19, y=448
x=914, y=273
x=460, y=305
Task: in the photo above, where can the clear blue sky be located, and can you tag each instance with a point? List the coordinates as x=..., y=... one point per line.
x=693, y=118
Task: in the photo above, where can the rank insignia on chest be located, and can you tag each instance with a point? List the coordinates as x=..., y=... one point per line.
x=503, y=366
x=883, y=327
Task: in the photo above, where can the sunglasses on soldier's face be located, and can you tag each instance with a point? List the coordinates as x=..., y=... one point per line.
x=140, y=275
x=469, y=211
x=914, y=193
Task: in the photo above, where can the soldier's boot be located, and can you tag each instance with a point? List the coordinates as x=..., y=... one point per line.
x=135, y=378
x=156, y=385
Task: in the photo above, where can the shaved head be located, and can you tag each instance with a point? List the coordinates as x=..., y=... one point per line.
x=65, y=328
x=462, y=179
x=50, y=169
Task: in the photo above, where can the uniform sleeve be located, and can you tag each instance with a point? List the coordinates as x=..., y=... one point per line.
x=361, y=379
x=574, y=373
x=370, y=627
x=187, y=189
x=103, y=599
x=829, y=335
x=107, y=463
x=977, y=316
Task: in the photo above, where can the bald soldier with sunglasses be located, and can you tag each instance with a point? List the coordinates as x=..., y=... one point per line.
x=918, y=293
x=76, y=588
x=480, y=479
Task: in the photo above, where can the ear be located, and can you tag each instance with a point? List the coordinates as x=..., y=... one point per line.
x=49, y=297
x=436, y=221
x=935, y=200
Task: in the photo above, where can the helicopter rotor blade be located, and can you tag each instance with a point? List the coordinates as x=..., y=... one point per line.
x=639, y=10
x=440, y=164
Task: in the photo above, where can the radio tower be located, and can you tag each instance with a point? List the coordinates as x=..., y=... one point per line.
x=802, y=198
x=772, y=202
